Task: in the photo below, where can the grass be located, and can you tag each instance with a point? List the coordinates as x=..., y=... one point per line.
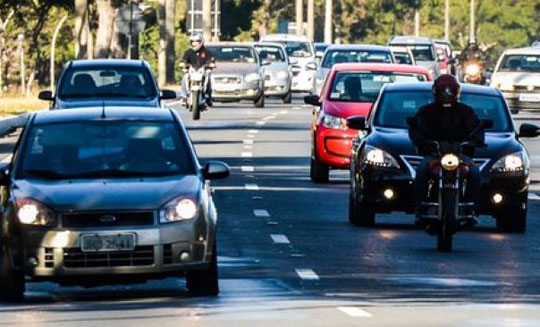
x=18, y=105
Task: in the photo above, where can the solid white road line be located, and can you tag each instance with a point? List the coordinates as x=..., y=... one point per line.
x=260, y=123
x=251, y=136
x=248, y=169
x=248, y=147
x=246, y=141
x=296, y=108
x=261, y=213
x=533, y=196
x=253, y=131
x=280, y=239
x=307, y=274
x=246, y=154
x=252, y=187
x=355, y=312
x=283, y=112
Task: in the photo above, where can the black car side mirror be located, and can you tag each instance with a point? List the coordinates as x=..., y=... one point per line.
x=167, y=95
x=529, y=130
x=357, y=122
x=4, y=173
x=46, y=95
x=215, y=170
x=312, y=100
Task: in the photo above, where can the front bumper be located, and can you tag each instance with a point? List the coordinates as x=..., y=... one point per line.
x=515, y=101
x=334, y=146
x=158, y=248
x=302, y=81
x=235, y=90
x=277, y=87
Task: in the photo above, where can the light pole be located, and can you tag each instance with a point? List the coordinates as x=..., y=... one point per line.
x=417, y=17
x=53, y=49
x=20, y=39
x=447, y=20
x=472, y=36
x=328, y=22
x=207, y=19
x=311, y=20
x=299, y=17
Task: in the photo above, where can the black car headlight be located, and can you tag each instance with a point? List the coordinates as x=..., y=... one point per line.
x=180, y=209
x=513, y=162
x=32, y=212
x=379, y=158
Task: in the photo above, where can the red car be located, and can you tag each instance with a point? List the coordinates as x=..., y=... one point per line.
x=349, y=90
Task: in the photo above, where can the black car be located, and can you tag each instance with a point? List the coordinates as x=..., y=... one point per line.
x=107, y=195
x=111, y=82
x=384, y=162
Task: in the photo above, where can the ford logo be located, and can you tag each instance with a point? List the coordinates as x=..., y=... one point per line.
x=107, y=219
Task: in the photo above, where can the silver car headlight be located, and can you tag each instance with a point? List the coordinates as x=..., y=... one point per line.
x=32, y=212
x=514, y=162
x=376, y=157
x=282, y=75
x=332, y=122
x=180, y=209
x=252, y=78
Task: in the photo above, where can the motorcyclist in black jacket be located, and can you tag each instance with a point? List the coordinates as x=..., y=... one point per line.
x=446, y=119
x=197, y=56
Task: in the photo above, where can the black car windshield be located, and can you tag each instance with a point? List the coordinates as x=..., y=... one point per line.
x=365, y=86
x=333, y=57
x=107, y=82
x=107, y=149
x=396, y=107
x=271, y=54
x=298, y=49
x=521, y=63
x=233, y=54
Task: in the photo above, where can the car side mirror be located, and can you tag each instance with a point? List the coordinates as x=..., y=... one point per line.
x=46, y=95
x=319, y=54
x=215, y=170
x=167, y=95
x=529, y=130
x=312, y=99
x=311, y=66
x=357, y=122
x=4, y=173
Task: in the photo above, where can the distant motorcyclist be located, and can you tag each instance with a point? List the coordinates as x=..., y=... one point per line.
x=472, y=60
x=197, y=56
x=446, y=120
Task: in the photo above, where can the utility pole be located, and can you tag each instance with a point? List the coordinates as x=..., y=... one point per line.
x=417, y=17
x=20, y=38
x=447, y=20
x=217, y=8
x=53, y=49
x=207, y=19
x=328, y=21
x=299, y=17
x=311, y=20
x=472, y=36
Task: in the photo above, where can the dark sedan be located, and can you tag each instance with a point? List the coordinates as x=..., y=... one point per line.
x=383, y=163
x=107, y=195
x=113, y=82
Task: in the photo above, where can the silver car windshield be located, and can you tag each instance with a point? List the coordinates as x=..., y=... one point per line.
x=298, y=49
x=233, y=54
x=105, y=149
x=521, y=63
x=271, y=54
x=344, y=56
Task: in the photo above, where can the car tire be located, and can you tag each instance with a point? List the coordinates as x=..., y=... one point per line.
x=204, y=282
x=259, y=103
x=513, y=220
x=318, y=172
x=287, y=98
x=359, y=213
x=12, y=284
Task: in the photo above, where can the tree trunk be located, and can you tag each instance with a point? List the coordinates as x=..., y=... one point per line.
x=82, y=30
x=106, y=13
x=162, y=53
x=170, y=20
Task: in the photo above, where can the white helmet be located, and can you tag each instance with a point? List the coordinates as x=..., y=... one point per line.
x=196, y=41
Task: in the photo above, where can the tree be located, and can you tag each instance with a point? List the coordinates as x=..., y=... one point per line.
x=170, y=20
x=106, y=13
x=83, y=37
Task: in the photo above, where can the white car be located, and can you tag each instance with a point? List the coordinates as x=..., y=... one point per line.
x=517, y=75
x=302, y=53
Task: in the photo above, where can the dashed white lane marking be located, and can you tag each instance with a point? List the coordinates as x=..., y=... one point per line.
x=7, y=159
x=248, y=147
x=296, y=108
x=252, y=187
x=246, y=154
x=248, y=169
x=283, y=112
x=307, y=274
x=260, y=123
x=251, y=136
x=307, y=106
x=268, y=118
x=246, y=141
x=261, y=213
x=355, y=312
x=533, y=196
x=253, y=131
x=280, y=239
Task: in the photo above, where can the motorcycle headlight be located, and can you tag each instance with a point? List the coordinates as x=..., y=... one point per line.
x=253, y=77
x=282, y=74
x=31, y=212
x=379, y=158
x=332, y=122
x=472, y=69
x=450, y=162
x=511, y=163
x=180, y=209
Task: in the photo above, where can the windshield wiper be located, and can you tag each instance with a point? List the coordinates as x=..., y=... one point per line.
x=116, y=94
x=121, y=173
x=45, y=174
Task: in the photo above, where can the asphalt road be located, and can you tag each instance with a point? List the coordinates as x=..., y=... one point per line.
x=287, y=255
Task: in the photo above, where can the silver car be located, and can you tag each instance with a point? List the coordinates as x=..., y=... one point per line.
x=423, y=50
x=277, y=70
x=517, y=75
x=238, y=74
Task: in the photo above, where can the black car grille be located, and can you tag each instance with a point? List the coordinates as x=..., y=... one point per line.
x=525, y=89
x=225, y=80
x=141, y=256
x=107, y=219
x=520, y=105
x=414, y=161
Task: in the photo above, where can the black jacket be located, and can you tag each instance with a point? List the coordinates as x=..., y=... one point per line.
x=198, y=58
x=458, y=123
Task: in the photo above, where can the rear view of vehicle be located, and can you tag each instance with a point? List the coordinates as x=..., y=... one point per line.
x=277, y=74
x=238, y=74
x=517, y=75
x=302, y=54
x=423, y=50
x=403, y=55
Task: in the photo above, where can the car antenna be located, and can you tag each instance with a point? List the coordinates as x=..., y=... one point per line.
x=103, y=110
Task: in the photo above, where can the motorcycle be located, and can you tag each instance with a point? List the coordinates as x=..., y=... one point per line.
x=474, y=73
x=196, y=84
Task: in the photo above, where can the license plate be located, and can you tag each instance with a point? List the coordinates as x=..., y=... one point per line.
x=107, y=242
x=526, y=97
x=226, y=87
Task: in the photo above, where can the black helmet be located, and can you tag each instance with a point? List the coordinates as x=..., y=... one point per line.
x=446, y=90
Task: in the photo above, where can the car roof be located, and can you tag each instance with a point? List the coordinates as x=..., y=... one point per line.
x=96, y=113
x=229, y=44
x=359, y=47
x=269, y=44
x=285, y=37
x=380, y=67
x=409, y=39
x=524, y=51
x=427, y=86
x=107, y=62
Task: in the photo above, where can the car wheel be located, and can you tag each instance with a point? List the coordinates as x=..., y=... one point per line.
x=12, y=283
x=287, y=98
x=319, y=173
x=204, y=282
x=259, y=103
x=359, y=212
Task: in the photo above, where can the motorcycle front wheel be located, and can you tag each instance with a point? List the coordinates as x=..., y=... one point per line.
x=195, y=106
x=448, y=200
